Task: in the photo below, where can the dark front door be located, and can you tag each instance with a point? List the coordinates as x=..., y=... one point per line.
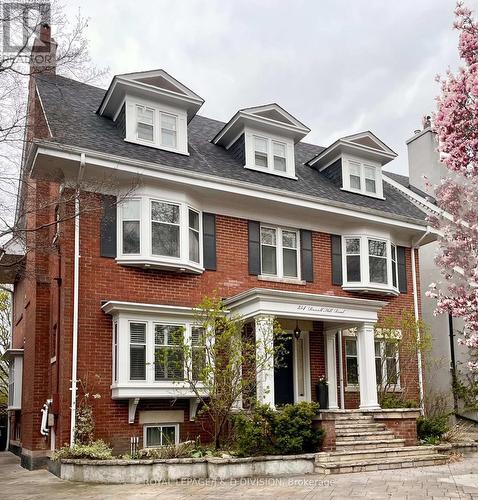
x=284, y=374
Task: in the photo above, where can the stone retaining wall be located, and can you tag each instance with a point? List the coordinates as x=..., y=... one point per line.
x=220, y=469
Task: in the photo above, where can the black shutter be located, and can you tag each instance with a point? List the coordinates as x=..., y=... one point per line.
x=336, y=259
x=254, y=248
x=306, y=257
x=209, y=240
x=402, y=269
x=108, y=227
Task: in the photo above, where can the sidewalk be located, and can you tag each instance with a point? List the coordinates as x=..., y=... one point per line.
x=456, y=480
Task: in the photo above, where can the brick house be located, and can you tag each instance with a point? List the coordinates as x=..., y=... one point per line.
x=175, y=206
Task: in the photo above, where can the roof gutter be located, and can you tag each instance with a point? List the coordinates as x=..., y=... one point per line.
x=318, y=202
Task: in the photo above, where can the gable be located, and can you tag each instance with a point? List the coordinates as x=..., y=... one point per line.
x=161, y=83
x=273, y=114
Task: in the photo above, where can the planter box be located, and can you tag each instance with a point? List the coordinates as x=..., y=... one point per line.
x=152, y=471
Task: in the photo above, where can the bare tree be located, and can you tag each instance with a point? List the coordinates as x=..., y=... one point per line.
x=5, y=326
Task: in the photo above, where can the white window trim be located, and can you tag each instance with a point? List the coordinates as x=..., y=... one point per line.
x=146, y=258
x=346, y=161
x=131, y=121
x=365, y=284
x=167, y=388
x=138, y=121
x=120, y=229
x=176, y=433
x=280, y=256
x=249, y=138
x=176, y=118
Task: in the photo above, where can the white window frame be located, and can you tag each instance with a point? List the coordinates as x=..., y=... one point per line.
x=383, y=343
x=365, y=284
x=146, y=258
x=133, y=104
x=140, y=220
x=271, y=139
x=142, y=380
x=351, y=338
x=176, y=433
x=152, y=125
x=280, y=252
x=362, y=164
x=161, y=116
x=178, y=225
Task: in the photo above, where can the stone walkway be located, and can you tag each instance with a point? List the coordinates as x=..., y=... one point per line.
x=456, y=480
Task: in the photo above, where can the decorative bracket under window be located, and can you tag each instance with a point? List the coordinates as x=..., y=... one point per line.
x=132, y=405
x=193, y=408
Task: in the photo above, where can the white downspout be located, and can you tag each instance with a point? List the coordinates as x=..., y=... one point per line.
x=76, y=286
x=416, y=246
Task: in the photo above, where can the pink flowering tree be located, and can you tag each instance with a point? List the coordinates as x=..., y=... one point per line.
x=456, y=123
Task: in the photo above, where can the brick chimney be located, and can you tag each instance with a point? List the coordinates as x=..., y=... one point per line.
x=423, y=157
x=43, y=54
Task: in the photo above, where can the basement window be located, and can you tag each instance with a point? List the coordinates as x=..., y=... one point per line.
x=156, y=436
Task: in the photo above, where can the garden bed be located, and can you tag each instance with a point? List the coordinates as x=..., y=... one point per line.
x=152, y=471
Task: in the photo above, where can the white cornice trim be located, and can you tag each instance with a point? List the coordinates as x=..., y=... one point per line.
x=114, y=306
x=222, y=184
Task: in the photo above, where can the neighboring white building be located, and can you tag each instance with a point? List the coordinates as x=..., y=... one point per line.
x=447, y=354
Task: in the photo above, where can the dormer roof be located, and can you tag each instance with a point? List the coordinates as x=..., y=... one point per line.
x=268, y=118
x=364, y=144
x=154, y=85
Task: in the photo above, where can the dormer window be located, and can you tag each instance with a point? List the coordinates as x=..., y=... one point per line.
x=152, y=109
x=145, y=123
x=355, y=163
x=263, y=138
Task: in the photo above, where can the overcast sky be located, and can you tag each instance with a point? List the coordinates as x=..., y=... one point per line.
x=340, y=67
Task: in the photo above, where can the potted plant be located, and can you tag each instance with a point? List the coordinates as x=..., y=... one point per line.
x=322, y=391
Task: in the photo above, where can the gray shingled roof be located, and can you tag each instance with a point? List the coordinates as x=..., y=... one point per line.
x=70, y=107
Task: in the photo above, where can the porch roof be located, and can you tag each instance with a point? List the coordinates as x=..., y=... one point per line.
x=301, y=305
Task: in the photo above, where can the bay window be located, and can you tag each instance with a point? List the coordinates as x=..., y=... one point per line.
x=369, y=263
x=160, y=233
x=279, y=252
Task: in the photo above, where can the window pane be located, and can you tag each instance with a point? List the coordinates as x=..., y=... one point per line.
x=369, y=173
x=378, y=370
x=164, y=212
x=169, y=435
x=261, y=160
x=355, y=169
x=353, y=268
x=351, y=347
x=290, y=262
x=268, y=236
x=168, y=122
x=280, y=164
x=145, y=132
x=355, y=182
x=352, y=245
x=165, y=239
x=377, y=248
x=193, y=245
x=394, y=266
x=194, y=220
x=370, y=186
x=131, y=210
x=260, y=145
x=198, y=340
x=137, y=362
x=145, y=115
x=392, y=371
x=378, y=270
x=289, y=239
x=269, y=265
x=131, y=238
x=153, y=436
x=352, y=371
x=377, y=348
x=168, y=138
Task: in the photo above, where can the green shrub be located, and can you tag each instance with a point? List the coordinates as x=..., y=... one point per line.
x=432, y=427
x=181, y=450
x=97, y=450
x=285, y=431
x=391, y=401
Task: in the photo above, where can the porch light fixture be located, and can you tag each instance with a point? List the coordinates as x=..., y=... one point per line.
x=297, y=331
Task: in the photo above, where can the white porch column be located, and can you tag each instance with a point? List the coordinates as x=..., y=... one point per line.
x=331, y=366
x=264, y=327
x=366, y=367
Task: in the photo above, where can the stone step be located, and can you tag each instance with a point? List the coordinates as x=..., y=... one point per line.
x=360, y=427
x=354, y=417
x=399, y=462
x=369, y=445
x=363, y=435
x=383, y=453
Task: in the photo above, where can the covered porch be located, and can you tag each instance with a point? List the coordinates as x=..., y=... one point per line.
x=313, y=326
